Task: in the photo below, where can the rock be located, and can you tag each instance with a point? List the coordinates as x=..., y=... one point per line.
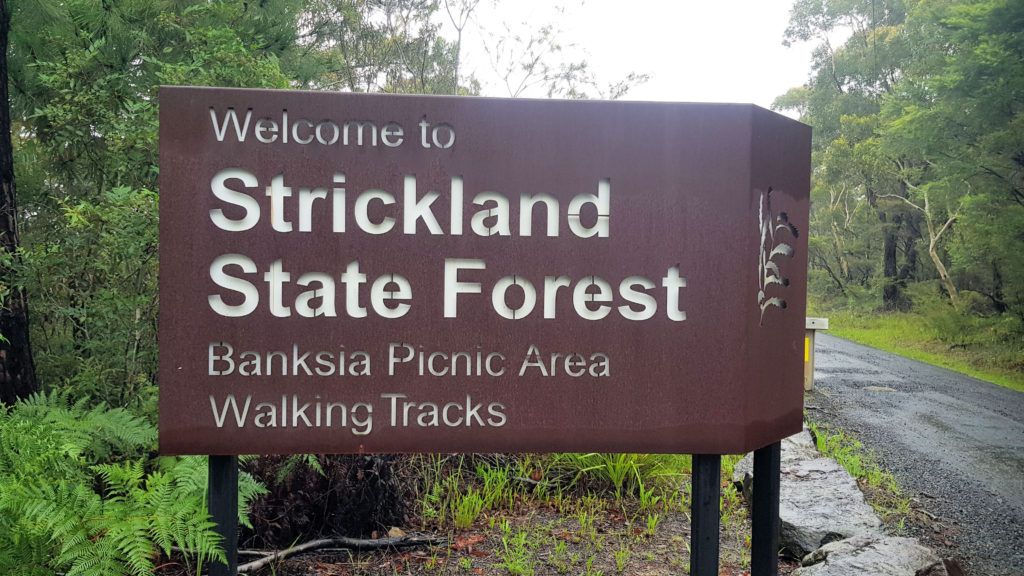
x=797, y=447
x=944, y=567
x=819, y=501
x=868, y=554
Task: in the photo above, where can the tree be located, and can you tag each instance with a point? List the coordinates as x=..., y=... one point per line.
x=842, y=101
x=918, y=114
x=17, y=371
x=384, y=46
x=969, y=87
x=84, y=97
x=463, y=11
x=949, y=131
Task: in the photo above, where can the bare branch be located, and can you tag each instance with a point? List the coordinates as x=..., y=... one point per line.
x=341, y=542
x=946, y=225
x=906, y=201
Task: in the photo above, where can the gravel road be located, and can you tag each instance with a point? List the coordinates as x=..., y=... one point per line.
x=953, y=442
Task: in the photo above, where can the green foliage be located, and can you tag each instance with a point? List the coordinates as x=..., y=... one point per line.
x=622, y=554
x=446, y=496
x=515, y=554
x=917, y=150
x=883, y=491
x=294, y=461
x=93, y=290
x=394, y=46
x=84, y=83
x=652, y=524
x=624, y=474
x=76, y=498
x=215, y=54
x=648, y=499
x=496, y=490
x=467, y=508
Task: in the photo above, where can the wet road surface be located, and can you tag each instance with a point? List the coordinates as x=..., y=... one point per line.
x=954, y=442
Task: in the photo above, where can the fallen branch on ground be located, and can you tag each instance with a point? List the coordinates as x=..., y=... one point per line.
x=347, y=543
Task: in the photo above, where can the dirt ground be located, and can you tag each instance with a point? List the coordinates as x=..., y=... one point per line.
x=590, y=538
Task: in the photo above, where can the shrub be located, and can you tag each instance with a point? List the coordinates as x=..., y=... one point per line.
x=311, y=496
x=63, y=510
x=92, y=273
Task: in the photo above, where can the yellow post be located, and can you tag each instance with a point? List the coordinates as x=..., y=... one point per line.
x=812, y=326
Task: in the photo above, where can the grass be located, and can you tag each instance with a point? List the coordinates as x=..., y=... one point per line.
x=879, y=486
x=624, y=474
x=582, y=514
x=976, y=347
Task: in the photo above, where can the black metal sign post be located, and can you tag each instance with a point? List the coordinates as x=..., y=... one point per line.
x=704, y=512
x=222, y=502
x=764, y=551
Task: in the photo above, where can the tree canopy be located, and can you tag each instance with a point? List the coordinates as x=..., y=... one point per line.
x=918, y=148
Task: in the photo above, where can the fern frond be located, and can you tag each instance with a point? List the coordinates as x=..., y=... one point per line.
x=248, y=490
x=52, y=520
x=131, y=539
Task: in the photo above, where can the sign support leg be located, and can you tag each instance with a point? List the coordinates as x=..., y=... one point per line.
x=764, y=553
x=704, y=512
x=222, y=502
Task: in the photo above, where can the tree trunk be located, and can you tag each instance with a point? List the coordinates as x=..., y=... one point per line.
x=909, y=269
x=844, y=266
x=890, y=240
x=933, y=241
x=17, y=372
x=997, y=290
x=947, y=282
x=891, y=293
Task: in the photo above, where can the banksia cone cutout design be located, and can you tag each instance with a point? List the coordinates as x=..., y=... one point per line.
x=775, y=232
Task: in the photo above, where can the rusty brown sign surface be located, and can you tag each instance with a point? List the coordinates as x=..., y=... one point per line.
x=351, y=272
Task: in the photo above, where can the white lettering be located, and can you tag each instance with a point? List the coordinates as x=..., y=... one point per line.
x=362, y=210
x=246, y=289
x=602, y=202
x=419, y=209
x=582, y=296
x=452, y=286
x=230, y=116
x=240, y=417
x=673, y=284
x=244, y=201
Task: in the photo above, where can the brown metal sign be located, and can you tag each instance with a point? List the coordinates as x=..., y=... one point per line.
x=353, y=272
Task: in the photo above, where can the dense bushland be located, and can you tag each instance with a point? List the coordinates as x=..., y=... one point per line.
x=918, y=181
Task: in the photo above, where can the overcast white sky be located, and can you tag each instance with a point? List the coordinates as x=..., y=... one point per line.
x=694, y=51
